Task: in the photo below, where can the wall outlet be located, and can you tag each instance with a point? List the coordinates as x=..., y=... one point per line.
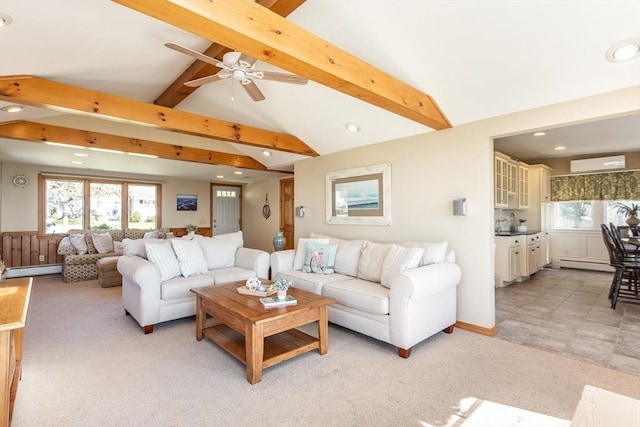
x=41, y=258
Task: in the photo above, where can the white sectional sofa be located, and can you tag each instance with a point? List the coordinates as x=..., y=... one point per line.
x=157, y=274
x=400, y=294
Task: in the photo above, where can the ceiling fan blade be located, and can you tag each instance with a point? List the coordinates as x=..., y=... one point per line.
x=203, y=80
x=253, y=91
x=193, y=53
x=284, y=78
x=248, y=59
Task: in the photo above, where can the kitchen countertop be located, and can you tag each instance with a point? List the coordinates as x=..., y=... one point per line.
x=517, y=233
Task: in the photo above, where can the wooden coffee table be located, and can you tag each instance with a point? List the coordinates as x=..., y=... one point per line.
x=257, y=336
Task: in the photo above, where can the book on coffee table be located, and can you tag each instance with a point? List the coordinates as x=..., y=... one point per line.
x=275, y=302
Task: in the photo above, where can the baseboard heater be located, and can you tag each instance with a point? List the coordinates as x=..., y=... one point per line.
x=582, y=265
x=33, y=270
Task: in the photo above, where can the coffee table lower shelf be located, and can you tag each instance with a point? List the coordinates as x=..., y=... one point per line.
x=277, y=348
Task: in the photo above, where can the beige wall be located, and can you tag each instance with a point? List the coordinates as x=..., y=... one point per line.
x=428, y=172
x=19, y=206
x=258, y=232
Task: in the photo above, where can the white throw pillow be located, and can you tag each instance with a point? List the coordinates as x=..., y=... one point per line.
x=398, y=259
x=301, y=251
x=433, y=252
x=189, y=256
x=118, y=247
x=103, y=243
x=162, y=255
x=348, y=254
x=78, y=241
x=151, y=235
x=136, y=247
x=371, y=260
x=219, y=253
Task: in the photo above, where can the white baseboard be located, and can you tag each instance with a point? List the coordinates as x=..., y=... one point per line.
x=33, y=270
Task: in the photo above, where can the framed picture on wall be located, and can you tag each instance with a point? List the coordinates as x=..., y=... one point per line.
x=359, y=196
x=187, y=202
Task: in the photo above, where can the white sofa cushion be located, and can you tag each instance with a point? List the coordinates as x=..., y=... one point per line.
x=189, y=256
x=311, y=282
x=230, y=274
x=371, y=261
x=398, y=259
x=359, y=294
x=220, y=251
x=163, y=257
x=179, y=287
x=347, y=256
x=136, y=247
x=433, y=252
x=320, y=258
x=301, y=251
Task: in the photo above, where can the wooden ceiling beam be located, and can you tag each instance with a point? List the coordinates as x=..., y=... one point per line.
x=177, y=92
x=52, y=95
x=254, y=30
x=38, y=132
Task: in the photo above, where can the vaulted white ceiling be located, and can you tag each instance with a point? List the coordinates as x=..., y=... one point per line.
x=477, y=59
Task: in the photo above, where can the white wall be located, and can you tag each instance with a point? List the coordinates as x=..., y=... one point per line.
x=428, y=172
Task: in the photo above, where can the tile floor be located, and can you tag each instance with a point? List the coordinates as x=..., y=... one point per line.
x=567, y=311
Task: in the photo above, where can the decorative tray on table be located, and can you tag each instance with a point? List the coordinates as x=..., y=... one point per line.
x=246, y=291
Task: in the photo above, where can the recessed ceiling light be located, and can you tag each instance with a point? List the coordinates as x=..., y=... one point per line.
x=559, y=148
x=625, y=50
x=539, y=134
x=12, y=108
x=76, y=162
x=352, y=127
x=219, y=176
x=238, y=172
x=81, y=154
x=266, y=153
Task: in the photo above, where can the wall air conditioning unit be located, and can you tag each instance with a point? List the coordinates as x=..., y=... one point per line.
x=598, y=164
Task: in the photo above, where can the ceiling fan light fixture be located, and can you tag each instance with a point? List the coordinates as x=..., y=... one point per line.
x=623, y=51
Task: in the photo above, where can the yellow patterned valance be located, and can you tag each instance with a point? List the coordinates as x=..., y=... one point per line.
x=597, y=186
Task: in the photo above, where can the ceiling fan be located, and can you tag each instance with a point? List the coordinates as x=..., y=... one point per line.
x=241, y=68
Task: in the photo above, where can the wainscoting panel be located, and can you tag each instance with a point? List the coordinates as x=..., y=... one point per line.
x=24, y=248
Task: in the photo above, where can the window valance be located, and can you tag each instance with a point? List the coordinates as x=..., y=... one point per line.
x=598, y=186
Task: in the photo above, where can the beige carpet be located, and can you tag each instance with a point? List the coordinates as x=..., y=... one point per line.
x=87, y=364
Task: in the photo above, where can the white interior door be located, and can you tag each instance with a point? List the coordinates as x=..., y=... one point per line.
x=226, y=209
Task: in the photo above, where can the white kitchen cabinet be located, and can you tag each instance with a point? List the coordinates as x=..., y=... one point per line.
x=523, y=186
x=501, y=181
x=509, y=258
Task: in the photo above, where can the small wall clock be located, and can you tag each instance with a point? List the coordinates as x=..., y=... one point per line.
x=20, y=181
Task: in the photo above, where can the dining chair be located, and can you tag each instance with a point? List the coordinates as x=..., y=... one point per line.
x=630, y=251
x=626, y=278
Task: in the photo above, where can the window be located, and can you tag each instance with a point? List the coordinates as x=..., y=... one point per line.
x=79, y=203
x=587, y=215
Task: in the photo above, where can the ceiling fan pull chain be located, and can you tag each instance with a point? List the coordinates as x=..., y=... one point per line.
x=232, y=98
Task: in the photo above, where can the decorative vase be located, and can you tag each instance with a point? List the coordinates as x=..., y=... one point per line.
x=279, y=241
x=632, y=221
x=282, y=295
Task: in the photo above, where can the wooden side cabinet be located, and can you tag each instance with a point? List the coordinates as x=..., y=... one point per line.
x=14, y=301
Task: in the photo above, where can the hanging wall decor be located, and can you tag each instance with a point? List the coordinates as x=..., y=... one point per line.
x=266, y=210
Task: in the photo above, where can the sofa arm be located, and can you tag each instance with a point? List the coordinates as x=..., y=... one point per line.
x=425, y=281
x=139, y=271
x=253, y=259
x=422, y=302
x=281, y=261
